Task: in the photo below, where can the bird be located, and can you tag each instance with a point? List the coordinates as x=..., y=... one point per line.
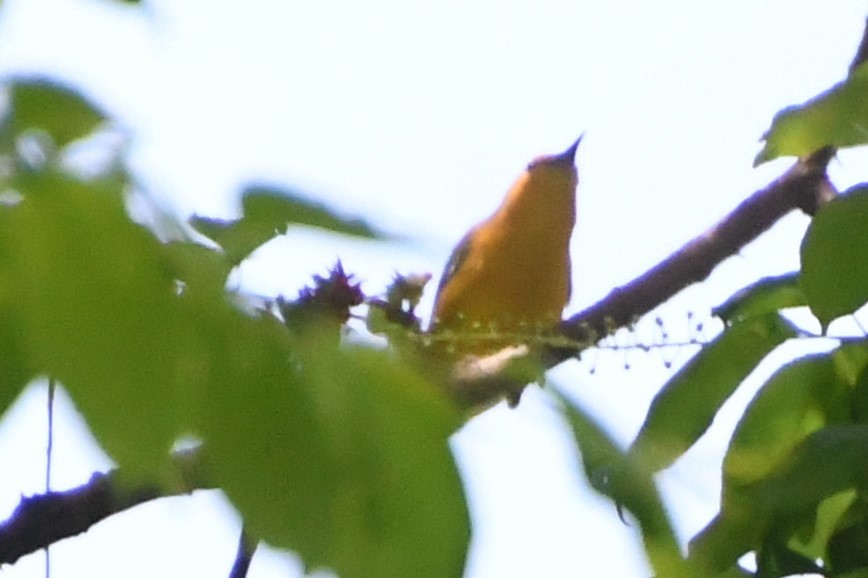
x=510, y=275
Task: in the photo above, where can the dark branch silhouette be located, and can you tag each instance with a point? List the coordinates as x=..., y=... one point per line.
x=243, y=556
x=41, y=520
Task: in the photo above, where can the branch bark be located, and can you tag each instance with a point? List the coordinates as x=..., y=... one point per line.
x=804, y=186
x=41, y=520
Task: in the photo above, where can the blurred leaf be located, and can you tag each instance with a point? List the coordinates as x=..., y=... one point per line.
x=835, y=256
x=199, y=268
x=686, y=405
x=285, y=206
x=96, y=311
x=851, y=361
x=837, y=117
x=795, y=403
x=346, y=461
x=826, y=463
x=830, y=513
x=797, y=400
x=735, y=572
x=726, y=538
x=859, y=400
x=391, y=427
x=237, y=238
x=776, y=560
x=267, y=213
x=848, y=546
x=43, y=104
x=15, y=368
x=768, y=295
x=266, y=444
x=630, y=485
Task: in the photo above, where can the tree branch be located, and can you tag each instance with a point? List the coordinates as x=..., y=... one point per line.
x=804, y=186
x=243, y=556
x=42, y=520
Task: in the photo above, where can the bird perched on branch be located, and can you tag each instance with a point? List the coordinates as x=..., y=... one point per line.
x=509, y=277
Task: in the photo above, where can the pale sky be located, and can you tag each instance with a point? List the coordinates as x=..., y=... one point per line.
x=418, y=116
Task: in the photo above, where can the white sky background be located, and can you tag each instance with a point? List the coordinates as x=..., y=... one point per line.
x=418, y=116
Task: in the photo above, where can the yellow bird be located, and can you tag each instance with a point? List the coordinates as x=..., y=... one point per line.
x=510, y=274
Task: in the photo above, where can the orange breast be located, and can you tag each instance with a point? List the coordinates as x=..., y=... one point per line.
x=505, y=285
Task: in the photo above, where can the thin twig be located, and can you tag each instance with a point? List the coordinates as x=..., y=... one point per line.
x=49, y=452
x=244, y=555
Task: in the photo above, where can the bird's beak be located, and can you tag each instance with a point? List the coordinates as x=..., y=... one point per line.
x=568, y=157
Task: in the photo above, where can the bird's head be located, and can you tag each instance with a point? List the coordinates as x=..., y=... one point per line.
x=558, y=171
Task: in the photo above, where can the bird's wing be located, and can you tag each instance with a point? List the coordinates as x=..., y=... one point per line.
x=459, y=255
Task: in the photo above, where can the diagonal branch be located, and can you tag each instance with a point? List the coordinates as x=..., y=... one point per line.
x=42, y=520
x=804, y=186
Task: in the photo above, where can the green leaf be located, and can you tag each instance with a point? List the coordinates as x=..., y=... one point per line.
x=827, y=462
x=800, y=398
x=768, y=295
x=403, y=487
x=832, y=512
x=686, y=405
x=262, y=203
x=859, y=400
x=16, y=371
x=775, y=560
x=267, y=213
x=835, y=256
x=734, y=572
x=717, y=547
x=837, y=117
x=43, y=104
x=346, y=461
x=96, y=310
x=848, y=546
x=630, y=485
x=266, y=444
x=199, y=268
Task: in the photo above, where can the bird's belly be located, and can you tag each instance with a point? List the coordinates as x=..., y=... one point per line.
x=519, y=291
